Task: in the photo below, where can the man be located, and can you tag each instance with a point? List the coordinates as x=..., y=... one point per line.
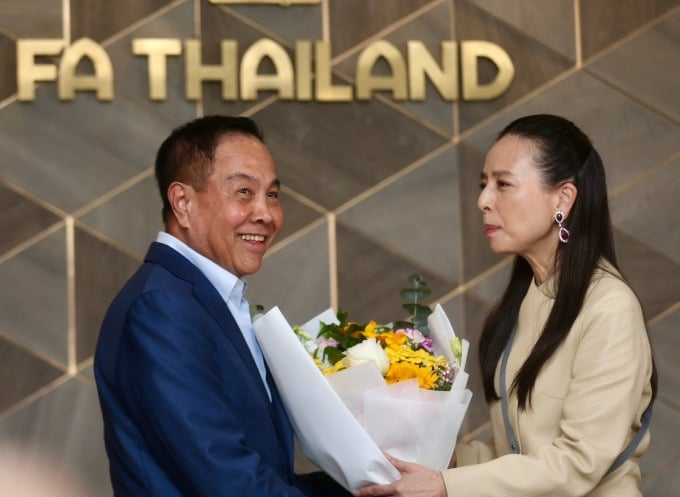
x=189, y=408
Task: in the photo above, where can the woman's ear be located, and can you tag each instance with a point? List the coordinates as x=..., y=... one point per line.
x=566, y=196
x=180, y=196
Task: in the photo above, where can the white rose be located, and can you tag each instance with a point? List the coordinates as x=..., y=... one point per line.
x=368, y=350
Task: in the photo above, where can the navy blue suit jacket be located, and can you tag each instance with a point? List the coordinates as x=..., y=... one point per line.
x=185, y=411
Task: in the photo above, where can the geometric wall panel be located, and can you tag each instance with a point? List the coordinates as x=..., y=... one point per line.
x=643, y=66
x=33, y=297
x=21, y=373
x=132, y=218
x=101, y=270
x=100, y=19
x=65, y=427
x=604, y=22
x=21, y=218
x=372, y=190
x=346, y=32
x=8, y=61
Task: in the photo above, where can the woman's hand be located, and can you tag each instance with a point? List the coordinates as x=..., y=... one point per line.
x=416, y=481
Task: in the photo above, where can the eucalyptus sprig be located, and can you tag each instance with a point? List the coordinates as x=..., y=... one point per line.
x=414, y=295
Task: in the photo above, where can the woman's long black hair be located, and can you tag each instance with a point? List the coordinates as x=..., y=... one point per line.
x=563, y=153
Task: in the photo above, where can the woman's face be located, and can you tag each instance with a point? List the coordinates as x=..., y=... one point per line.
x=518, y=208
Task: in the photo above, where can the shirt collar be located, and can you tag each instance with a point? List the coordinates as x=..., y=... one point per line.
x=228, y=285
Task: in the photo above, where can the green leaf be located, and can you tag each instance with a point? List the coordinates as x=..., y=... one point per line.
x=255, y=310
x=416, y=281
x=403, y=324
x=333, y=355
x=415, y=294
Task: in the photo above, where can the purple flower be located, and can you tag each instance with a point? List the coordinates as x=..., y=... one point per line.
x=417, y=338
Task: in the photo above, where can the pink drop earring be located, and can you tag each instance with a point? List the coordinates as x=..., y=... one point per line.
x=564, y=232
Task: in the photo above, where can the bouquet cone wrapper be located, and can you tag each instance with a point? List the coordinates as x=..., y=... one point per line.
x=345, y=422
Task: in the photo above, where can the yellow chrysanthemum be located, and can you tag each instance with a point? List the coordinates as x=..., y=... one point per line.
x=427, y=378
x=394, y=339
x=400, y=371
x=369, y=331
x=338, y=366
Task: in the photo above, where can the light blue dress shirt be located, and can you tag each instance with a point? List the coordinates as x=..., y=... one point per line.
x=231, y=289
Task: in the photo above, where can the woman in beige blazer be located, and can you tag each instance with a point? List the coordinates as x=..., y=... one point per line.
x=565, y=357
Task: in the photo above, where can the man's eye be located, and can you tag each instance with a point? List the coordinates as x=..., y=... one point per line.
x=244, y=191
x=482, y=185
x=273, y=194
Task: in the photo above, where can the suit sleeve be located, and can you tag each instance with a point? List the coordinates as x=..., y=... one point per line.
x=169, y=369
x=609, y=373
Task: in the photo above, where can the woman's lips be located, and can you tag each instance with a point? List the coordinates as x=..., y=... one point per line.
x=490, y=229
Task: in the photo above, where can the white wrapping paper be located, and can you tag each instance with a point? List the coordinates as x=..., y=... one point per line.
x=345, y=421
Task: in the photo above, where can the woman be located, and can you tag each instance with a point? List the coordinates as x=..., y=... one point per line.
x=579, y=373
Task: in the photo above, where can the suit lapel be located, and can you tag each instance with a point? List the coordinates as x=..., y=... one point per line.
x=208, y=296
x=211, y=300
x=282, y=423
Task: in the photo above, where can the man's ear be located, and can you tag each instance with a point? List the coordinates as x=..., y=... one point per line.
x=180, y=196
x=566, y=194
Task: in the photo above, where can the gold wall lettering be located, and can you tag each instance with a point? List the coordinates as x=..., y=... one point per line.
x=305, y=76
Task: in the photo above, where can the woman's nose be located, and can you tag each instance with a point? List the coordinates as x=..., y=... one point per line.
x=484, y=199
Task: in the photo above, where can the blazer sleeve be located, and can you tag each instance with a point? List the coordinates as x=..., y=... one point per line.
x=608, y=381
x=170, y=381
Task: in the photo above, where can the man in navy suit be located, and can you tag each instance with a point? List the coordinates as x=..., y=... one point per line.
x=188, y=405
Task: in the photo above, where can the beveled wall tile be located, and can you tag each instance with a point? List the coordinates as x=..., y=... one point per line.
x=101, y=271
x=648, y=67
x=663, y=446
x=652, y=198
x=101, y=19
x=347, y=162
x=132, y=72
x=428, y=200
x=666, y=482
x=320, y=155
x=604, y=22
x=431, y=27
x=630, y=138
x=218, y=26
x=292, y=22
x=655, y=279
x=535, y=64
x=33, y=301
x=66, y=425
x=34, y=19
x=553, y=26
x=370, y=277
x=665, y=343
x=21, y=374
x=21, y=219
x=296, y=216
x=60, y=169
x=8, y=64
x=132, y=218
x=296, y=278
x=353, y=21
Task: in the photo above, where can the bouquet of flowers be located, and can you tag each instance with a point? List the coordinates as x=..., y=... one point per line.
x=356, y=390
x=399, y=353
